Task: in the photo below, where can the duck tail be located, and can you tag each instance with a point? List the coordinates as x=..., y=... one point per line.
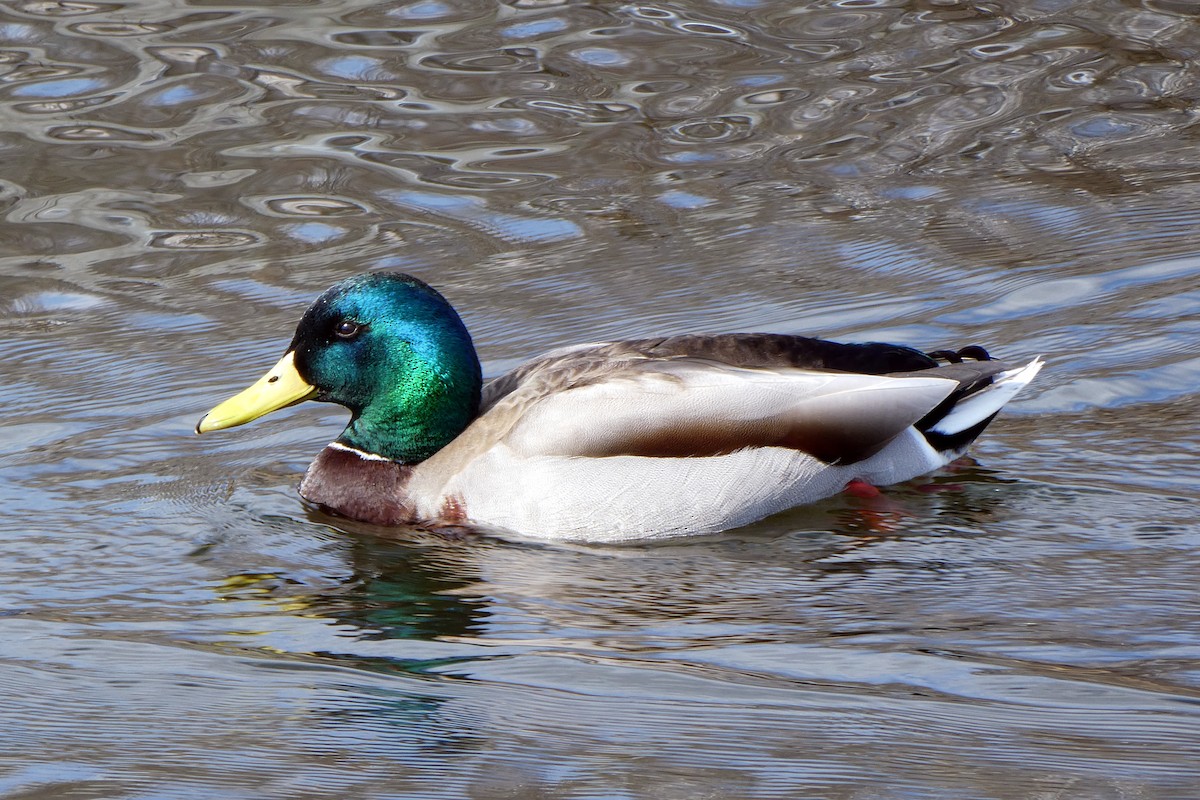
x=950, y=428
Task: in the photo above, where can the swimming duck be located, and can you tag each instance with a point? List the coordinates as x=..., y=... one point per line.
x=612, y=441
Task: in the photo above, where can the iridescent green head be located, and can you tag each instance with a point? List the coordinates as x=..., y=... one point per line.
x=389, y=348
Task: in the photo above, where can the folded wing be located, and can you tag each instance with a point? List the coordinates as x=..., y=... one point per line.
x=694, y=407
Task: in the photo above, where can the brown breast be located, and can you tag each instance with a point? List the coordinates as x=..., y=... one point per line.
x=366, y=489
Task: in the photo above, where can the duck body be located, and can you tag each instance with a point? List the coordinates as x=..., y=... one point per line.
x=614, y=441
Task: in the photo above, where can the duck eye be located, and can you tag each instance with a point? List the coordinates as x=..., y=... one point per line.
x=347, y=329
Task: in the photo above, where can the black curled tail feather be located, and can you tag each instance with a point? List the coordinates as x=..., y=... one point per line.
x=973, y=352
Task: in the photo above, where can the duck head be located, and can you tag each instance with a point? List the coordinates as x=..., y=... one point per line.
x=389, y=348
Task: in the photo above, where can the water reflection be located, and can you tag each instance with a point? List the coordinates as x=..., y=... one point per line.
x=610, y=656
x=385, y=590
x=470, y=588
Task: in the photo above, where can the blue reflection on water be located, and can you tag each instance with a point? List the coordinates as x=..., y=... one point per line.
x=59, y=88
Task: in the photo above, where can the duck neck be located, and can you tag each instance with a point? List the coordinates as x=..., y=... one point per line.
x=421, y=414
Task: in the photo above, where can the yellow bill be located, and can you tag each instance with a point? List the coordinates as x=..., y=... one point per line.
x=282, y=386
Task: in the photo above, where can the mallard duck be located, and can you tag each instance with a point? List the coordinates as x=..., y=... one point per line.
x=611, y=441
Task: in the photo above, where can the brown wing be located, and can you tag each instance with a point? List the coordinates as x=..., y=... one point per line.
x=694, y=407
x=581, y=365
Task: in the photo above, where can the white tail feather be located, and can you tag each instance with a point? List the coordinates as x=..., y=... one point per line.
x=981, y=405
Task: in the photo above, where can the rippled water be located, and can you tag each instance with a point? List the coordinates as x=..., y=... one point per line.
x=178, y=179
